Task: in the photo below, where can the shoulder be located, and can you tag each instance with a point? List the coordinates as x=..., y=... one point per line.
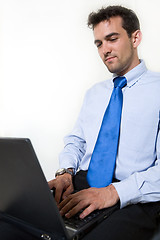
x=99, y=92
x=151, y=77
x=154, y=75
x=100, y=87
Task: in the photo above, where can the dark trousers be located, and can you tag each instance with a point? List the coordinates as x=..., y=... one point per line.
x=134, y=222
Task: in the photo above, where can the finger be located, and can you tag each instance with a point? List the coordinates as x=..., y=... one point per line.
x=75, y=207
x=64, y=202
x=58, y=194
x=51, y=184
x=70, y=197
x=68, y=191
x=74, y=210
x=68, y=204
x=73, y=204
x=87, y=211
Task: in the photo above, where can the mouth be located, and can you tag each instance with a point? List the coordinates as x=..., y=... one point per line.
x=109, y=59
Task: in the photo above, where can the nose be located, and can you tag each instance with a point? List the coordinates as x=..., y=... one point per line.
x=106, y=50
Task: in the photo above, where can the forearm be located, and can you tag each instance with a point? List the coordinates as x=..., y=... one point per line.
x=74, y=150
x=140, y=187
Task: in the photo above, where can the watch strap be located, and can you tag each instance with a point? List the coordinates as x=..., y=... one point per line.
x=63, y=171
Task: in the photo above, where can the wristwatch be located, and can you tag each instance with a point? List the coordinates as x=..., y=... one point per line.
x=61, y=171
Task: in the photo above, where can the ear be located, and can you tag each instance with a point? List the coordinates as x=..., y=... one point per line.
x=136, y=38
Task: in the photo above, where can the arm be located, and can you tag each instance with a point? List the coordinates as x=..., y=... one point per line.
x=145, y=187
x=145, y=184
x=70, y=158
x=74, y=144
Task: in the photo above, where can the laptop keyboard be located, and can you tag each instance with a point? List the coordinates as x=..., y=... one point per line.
x=76, y=222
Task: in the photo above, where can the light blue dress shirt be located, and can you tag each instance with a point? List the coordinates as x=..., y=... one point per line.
x=138, y=157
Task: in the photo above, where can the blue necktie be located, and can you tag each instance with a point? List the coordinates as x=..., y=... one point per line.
x=102, y=164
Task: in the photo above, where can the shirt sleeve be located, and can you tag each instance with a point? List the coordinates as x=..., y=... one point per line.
x=74, y=144
x=141, y=186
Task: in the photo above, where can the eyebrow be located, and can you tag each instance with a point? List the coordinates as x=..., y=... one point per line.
x=107, y=37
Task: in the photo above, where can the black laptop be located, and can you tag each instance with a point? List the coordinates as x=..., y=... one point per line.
x=26, y=200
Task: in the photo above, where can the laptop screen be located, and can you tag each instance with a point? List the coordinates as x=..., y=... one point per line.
x=23, y=188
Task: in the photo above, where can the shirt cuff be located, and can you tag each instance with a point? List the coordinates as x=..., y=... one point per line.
x=128, y=191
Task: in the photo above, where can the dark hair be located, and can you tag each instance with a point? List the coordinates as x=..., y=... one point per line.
x=130, y=21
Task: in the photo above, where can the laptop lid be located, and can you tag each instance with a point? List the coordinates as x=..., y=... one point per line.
x=24, y=192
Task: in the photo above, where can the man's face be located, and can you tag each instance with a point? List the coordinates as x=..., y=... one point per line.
x=115, y=47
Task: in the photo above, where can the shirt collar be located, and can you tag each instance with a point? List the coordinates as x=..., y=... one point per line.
x=135, y=74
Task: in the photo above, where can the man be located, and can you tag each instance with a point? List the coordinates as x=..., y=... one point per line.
x=136, y=178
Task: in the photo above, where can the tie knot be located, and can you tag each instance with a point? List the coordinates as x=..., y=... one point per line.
x=120, y=82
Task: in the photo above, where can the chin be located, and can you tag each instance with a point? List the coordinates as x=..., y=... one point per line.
x=115, y=70
x=112, y=68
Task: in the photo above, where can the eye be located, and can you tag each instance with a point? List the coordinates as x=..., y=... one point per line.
x=113, y=39
x=98, y=43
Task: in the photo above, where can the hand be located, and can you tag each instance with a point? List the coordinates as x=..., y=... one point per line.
x=90, y=199
x=63, y=186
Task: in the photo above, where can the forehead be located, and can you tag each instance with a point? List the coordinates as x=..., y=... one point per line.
x=106, y=27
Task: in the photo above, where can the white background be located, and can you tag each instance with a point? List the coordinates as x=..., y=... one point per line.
x=48, y=61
